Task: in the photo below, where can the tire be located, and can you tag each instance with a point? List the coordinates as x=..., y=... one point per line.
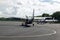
x=33, y=24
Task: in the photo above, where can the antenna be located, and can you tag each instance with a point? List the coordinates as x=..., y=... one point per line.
x=33, y=13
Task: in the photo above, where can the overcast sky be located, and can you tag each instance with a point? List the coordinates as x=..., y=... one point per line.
x=21, y=8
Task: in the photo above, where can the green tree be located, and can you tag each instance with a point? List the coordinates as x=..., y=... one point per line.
x=45, y=15
x=56, y=15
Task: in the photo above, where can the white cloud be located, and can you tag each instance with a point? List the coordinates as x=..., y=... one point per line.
x=57, y=0
x=2, y=15
x=21, y=8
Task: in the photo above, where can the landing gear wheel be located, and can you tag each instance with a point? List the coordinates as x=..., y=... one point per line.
x=33, y=24
x=22, y=24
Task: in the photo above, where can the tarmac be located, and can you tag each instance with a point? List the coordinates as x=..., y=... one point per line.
x=12, y=30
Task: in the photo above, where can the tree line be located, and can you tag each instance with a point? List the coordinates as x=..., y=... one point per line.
x=55, y=15
x=11, y=19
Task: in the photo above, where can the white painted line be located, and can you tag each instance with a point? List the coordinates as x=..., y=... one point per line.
x=54, y=32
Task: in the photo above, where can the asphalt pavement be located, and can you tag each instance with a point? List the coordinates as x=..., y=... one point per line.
x=12, y=30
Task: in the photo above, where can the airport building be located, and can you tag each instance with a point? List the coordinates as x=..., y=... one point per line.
x=45, y=19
